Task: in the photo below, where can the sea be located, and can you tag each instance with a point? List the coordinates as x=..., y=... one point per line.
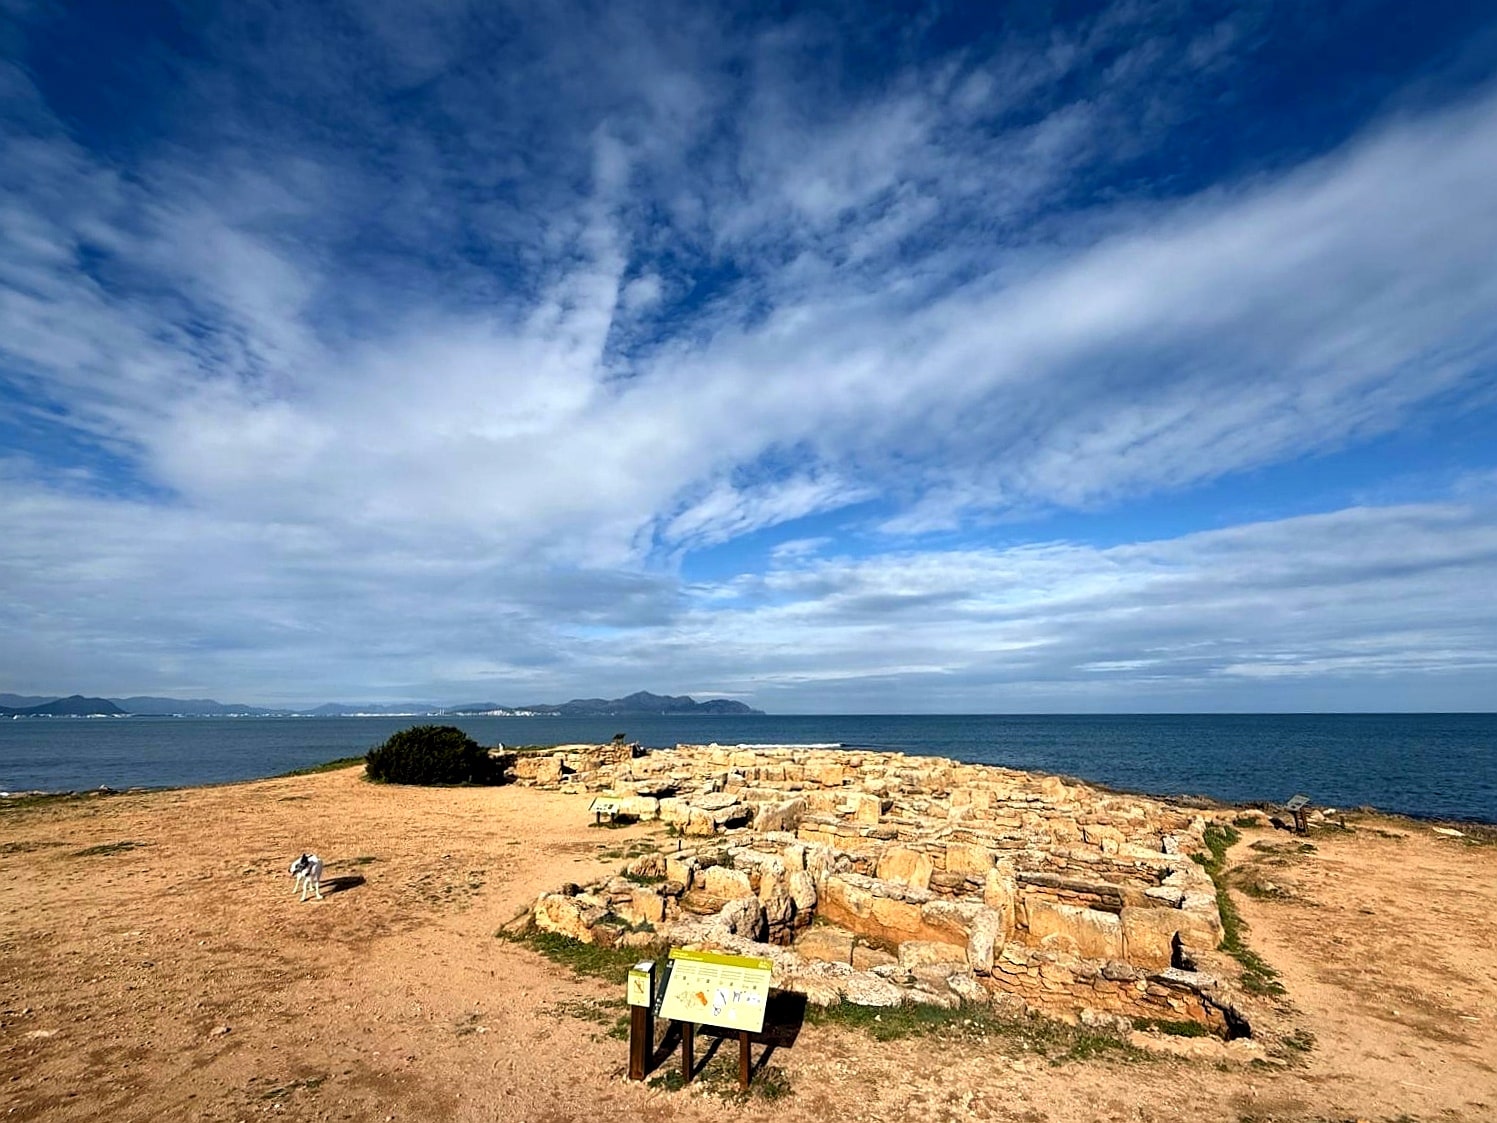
x=1427, y=765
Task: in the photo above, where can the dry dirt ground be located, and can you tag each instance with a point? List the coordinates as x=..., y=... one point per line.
x=178, y=978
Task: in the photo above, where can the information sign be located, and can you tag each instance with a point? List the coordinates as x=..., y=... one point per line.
x=604, y=806
x=707, y=988
x=640, y=977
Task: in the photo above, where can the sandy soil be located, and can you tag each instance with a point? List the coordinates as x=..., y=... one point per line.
x=179, y=978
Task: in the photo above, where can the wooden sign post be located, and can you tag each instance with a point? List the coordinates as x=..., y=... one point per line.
x=707, y=988
x=641, y=1017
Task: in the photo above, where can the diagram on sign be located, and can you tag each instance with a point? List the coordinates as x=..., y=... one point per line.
x=705, y=988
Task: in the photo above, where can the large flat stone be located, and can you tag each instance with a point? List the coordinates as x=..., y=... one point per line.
x=1089, y=933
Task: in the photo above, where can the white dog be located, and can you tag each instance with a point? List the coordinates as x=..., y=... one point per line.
x=308, y=873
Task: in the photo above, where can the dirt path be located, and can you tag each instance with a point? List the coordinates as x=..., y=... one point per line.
x=178, y=978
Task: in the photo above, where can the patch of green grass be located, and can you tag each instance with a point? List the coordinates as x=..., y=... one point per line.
x=609, y=964
x=1300, y=1041
x=642, y=879
x=615, y=822
x=1257, y=976
x=1056, y=1041
x=1172, y=1028
x=1246, y=821
x=719, y=1076
x=610, y=1013
x=327, y=766
x=109, y=848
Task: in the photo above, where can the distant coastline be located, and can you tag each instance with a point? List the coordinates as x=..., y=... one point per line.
x=640, y=703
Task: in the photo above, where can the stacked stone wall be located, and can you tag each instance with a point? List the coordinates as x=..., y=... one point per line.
x=948, y=881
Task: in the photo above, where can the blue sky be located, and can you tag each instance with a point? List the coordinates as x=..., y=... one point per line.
x=938, y=357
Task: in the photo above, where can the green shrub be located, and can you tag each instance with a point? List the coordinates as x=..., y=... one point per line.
x=432, y=754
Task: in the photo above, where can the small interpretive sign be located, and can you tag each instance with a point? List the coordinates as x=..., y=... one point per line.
x=641, y=976
x=604, y=806
x=708, y=988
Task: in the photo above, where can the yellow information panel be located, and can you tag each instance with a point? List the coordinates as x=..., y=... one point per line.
x=710, y=989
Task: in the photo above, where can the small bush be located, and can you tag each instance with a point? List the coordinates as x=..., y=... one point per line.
x=432, y=754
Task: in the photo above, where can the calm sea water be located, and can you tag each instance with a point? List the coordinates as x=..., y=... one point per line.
x=1441, y=765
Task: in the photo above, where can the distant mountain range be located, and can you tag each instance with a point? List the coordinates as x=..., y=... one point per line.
x=640, y=703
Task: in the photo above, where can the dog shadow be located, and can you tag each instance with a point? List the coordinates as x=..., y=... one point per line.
x=341, y=884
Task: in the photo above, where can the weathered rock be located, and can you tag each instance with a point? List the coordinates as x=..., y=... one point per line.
x=743, y=917
x=908, y=867
x=825, y=943
x=1149, y=935
x=1080, y=931
x=679, y=868
x=923, y=953
x=639, y=807
x=774, y=895
x=863, y=989
x=728, y=884
x=713, y=801
x=779, y=815
x=802, y=888
x=646, y=906
x=985, y=939
x=575, y=917
x=537, y=769
x=865, y=958
x=865, y=808
x=968, y=858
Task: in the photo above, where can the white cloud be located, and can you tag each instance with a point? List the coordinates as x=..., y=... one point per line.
x=467, y=370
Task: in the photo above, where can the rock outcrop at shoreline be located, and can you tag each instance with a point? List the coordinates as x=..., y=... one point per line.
x=880, y=878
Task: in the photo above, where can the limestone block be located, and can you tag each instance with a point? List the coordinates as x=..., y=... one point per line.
x=1000, y=892
x=908, y=867
x=646, y=906
x=924, y=953
x=829, y=774
x=952, y=918
x=966, y=987
x=713, y=801
x=1081, y=931
x=678, y=868
x=968, y=858
x=866, y=958
x=895, y=918
x=1149, y=935
x=774, y=895
x=648, y=865
x=863, y=989
x=825, y=943
x=639, y=807
x=537, y=769
x=779, y=815
x=568, y=916
x=729, y=884
x=802, y=888
x=673, y=810
x=743, y=917
x=985, y=939
x=700, y=824
x=865, y=808
x=842, y=901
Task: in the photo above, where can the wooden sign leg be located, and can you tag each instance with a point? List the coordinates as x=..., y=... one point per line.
x=743, y=1059
x=688, y=1049
x=641, y=1040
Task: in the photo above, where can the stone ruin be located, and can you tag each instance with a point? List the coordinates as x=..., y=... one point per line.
x=879, y=878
